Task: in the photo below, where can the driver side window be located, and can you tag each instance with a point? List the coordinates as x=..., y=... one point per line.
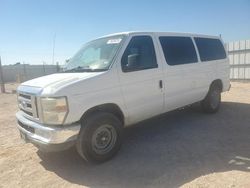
x=139, y=54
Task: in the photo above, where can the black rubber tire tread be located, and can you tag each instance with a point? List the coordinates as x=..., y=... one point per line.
x=206, y=103
x=89, y=125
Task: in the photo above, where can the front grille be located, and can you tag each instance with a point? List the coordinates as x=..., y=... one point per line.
x=27, y=104
x=25, y=96
x=26, y=127
x=27, y=112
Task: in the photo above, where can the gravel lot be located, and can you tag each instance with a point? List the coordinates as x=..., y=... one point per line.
x=181, y=148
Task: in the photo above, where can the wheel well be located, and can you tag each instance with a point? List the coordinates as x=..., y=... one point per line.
x=108, y=107
x=217, y=83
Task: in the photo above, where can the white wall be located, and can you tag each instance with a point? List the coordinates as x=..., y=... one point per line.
x=239, y=56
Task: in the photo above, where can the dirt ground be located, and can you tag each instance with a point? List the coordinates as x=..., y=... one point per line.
x=184, y=148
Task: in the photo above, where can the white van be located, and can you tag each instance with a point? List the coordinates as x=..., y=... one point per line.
x=116, y=81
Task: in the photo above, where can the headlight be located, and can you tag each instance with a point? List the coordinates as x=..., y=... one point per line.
x=54, y=110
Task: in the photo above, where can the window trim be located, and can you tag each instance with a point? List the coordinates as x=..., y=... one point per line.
x=139, y=69
x=196, y=50
x=194, y=45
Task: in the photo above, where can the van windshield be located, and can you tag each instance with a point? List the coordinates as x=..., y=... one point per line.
x=95, y=56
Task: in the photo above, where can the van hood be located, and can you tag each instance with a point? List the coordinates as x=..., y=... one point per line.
x=56, y=81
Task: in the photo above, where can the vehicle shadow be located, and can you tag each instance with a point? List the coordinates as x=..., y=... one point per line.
x=167, y=151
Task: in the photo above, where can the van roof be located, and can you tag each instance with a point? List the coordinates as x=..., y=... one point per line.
x=161, y=33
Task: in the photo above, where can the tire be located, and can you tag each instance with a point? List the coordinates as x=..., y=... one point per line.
x=100, y=137
x=212, y=101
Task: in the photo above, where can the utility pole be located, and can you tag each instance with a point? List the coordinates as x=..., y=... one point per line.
x=53, y=50
x=1, y=78
x=57, y=67
x=43, y=68
x=24, y=72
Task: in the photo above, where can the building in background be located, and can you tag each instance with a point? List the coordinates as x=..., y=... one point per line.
x=239, y=57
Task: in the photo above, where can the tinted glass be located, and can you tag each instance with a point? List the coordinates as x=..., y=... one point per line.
x=142, y=48
x=178, y=50
x=210, y=49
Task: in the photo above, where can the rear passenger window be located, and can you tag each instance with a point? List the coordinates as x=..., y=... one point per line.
x=210, y=49
x=178, y=50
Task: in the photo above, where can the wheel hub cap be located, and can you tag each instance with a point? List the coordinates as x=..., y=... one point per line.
x=104, y=139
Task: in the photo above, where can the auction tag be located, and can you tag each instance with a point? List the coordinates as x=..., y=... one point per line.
x=114, y=41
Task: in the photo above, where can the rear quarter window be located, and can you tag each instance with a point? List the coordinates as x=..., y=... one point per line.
x=210, y=49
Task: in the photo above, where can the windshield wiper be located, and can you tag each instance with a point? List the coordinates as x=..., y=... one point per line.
x=84, y=69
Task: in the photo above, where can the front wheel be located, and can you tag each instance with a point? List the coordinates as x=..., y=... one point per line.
x=211, y=103
x=100, y=137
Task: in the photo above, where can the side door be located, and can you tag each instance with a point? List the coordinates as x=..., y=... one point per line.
x=140, y=75
x=181, y=72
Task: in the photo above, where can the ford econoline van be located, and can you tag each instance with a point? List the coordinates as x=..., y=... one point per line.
x=116, y=81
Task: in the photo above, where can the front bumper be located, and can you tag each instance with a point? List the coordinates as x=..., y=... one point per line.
x=47, y=138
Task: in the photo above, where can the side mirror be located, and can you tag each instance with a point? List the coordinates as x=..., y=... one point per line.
x=132, y=61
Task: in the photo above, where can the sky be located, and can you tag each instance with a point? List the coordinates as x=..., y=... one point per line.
x=28, y=27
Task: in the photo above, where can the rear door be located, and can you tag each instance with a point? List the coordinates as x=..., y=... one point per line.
x=140, y=75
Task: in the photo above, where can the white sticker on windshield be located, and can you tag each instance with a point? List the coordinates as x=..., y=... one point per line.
x=114, y=41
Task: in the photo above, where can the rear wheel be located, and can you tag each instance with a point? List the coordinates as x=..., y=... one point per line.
x=211, y=103
x=100, y=137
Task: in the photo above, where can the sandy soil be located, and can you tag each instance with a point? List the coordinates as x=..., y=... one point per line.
x=184, y=148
